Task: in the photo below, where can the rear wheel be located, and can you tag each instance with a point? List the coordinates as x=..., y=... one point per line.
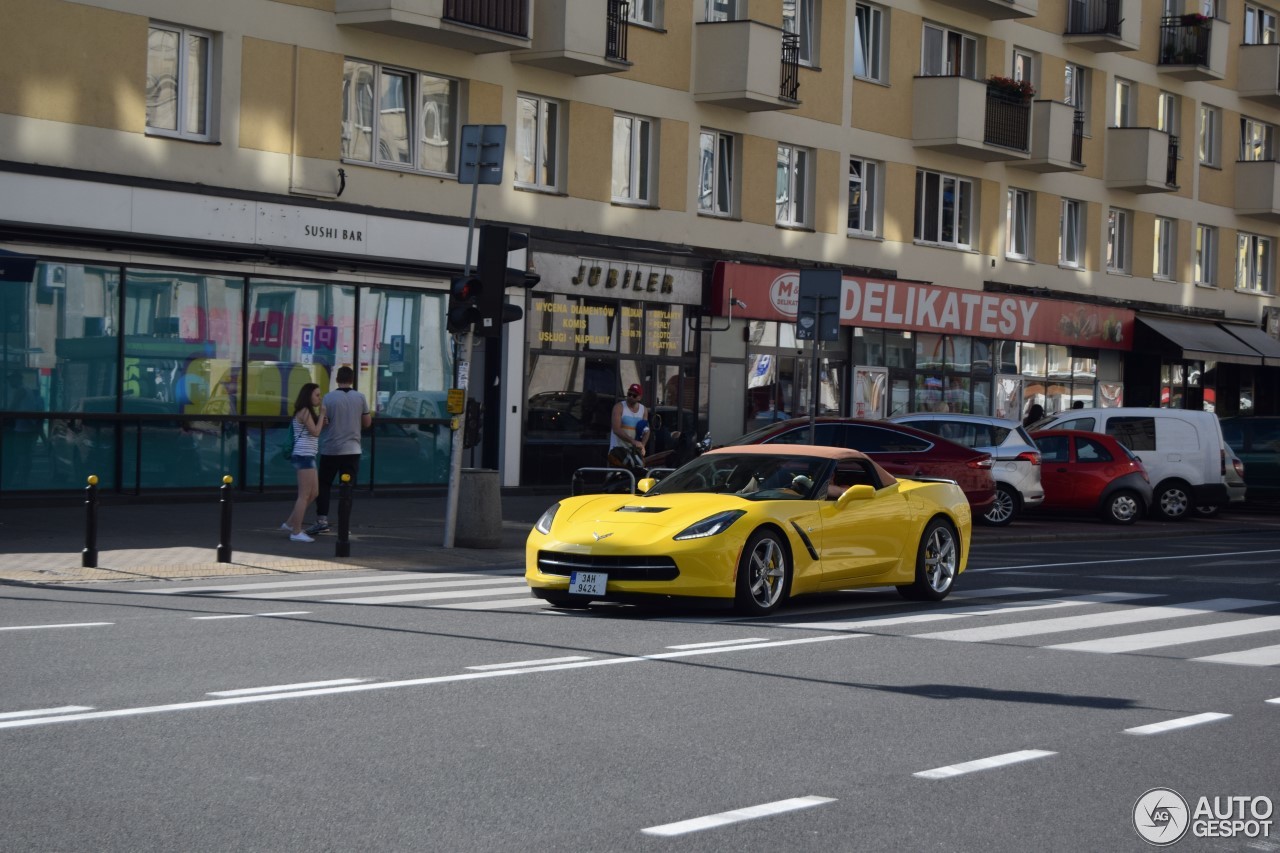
x=1005, y=508
x=1173, y=500
x=764, y=574
x=1122, y=507
x=937, y=563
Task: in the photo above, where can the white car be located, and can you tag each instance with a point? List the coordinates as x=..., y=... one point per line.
x=1233, y=477
x=1015, y=459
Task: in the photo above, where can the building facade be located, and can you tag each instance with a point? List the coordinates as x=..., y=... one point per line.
x=1037, y=201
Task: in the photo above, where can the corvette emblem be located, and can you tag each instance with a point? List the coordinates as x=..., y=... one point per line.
x=599, y=536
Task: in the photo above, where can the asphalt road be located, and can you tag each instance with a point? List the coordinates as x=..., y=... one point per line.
x=351, y=712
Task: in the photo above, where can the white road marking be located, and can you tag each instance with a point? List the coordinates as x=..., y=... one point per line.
x=251, y=615
x=412, y=682
x=1091, y=620
x=737, y=816
x=62, y=625
x=1262, y=656
x=1125, y=560
x=1176, y=636
x=489, y=605
x=429, y=596
x=715, y=643
x=1179, y=723
x=65, y=709
x=488, y=666
x=983, y=764
x=277, y=688
x=984, y=610
x=394, y=587
x=219, y=588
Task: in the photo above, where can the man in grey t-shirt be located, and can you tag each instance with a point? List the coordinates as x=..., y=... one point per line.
x=346, y=413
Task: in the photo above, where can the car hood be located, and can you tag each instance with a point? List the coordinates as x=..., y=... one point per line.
x=638, y=518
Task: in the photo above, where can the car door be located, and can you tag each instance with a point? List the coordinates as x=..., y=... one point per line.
x=1094, y=468
x=863, y=538
x=893, y=450
x=1056, y=474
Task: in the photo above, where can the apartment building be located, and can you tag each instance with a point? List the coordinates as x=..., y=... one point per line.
x=204, y=206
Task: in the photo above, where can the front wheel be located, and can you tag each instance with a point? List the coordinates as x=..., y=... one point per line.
x=937, y=563
x=1005, y=508
x=1173, y=501
x=1123, y=507
x=764, y=574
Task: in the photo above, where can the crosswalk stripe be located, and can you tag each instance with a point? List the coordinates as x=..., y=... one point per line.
x=1091, y=620
x=219, y=588
x=984, y=610
x=1262, y=656
x=428, y=596
x=1176, y=636
x=394, y=587
x=497, y=602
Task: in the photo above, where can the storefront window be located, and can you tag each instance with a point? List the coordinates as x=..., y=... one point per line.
x=663, y=330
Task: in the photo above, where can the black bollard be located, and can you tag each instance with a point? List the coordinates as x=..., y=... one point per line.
x=224, y=534
x=343, y=546
x=89, y=556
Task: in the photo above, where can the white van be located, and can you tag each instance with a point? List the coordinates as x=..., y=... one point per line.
x=1181, y=449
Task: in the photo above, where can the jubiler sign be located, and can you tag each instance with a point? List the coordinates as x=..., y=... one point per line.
x=773, y=294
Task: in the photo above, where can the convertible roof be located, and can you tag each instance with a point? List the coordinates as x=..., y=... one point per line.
x=819, y=450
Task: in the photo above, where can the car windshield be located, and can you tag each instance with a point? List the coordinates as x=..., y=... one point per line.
x=754, y=476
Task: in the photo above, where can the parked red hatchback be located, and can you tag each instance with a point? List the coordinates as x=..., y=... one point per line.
x=901, y=450
x=1091, y=472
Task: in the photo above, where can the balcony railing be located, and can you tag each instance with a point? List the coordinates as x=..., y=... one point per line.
x=1077, y=139
x=790, y=87
x=1093, y=17
x=1008, y=122
x=510, y=17
x=1171, y=171
x=1184, y=40
x=615, y=46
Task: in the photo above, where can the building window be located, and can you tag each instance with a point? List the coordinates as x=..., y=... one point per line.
x=1076, y=90
x=1119, y=237
x=868, y=41
x=944, y=209
x=179, y=82
x=392, y=117
x=1253, y=263
x=1071, y=234
x=1259, y=25
x=1165, y=236
x=1210, y=132
x=1205, y=261
x=722, y=10
x=1256, y=140
x=537, y=142
x=1024, y=67
x=948, y=53
x=800, y=17
x=716, y=177
x=1167, y=113
x=793, y=183
x=1018, y=222
x=1122, y=115
x=864, y=197
x=632, y=158
x=647, y=12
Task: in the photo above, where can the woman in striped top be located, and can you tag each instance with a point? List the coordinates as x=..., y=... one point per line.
x=308, y=420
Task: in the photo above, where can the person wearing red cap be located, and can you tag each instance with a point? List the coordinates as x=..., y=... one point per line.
x=627, y=414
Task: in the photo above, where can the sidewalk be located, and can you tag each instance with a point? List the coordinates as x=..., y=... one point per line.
x=179, y=539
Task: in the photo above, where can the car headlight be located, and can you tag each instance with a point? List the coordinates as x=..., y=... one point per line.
x=711, y=525
x=543, y=524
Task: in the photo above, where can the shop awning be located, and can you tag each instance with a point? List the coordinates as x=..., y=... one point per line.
x=16, y=267
x=1202, y=341
x=1266, y=346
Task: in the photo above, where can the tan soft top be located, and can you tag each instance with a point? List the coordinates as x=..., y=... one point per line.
x=819, y=450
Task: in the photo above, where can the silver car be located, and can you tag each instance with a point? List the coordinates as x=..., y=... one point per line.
x=1015, y=459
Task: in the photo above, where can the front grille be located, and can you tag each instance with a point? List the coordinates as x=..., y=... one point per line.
x=618, y=568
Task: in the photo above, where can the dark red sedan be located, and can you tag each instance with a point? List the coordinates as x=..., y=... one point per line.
x=1091, y=472
x=901, y=450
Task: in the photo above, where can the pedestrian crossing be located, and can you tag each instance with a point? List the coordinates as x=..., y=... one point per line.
x=1044, y=617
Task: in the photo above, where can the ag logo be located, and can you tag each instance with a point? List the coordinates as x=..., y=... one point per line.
x=1161, y=816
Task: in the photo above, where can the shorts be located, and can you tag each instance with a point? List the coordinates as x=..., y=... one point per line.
x=303, y=463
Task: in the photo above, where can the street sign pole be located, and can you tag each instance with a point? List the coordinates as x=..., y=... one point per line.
x=484, y=167
x=818, y=320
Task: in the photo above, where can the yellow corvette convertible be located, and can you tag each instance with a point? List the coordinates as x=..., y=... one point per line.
x=752, y=526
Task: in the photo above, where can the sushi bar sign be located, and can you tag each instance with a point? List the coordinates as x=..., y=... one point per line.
x=773, y=294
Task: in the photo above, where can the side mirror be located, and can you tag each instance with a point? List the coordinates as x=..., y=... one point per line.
x=855, y=493
x=646, y=484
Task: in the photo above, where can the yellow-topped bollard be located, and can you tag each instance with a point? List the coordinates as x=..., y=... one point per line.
x=224, y=531
x=227, y=479
x=89, y=556
x=92, y=479
x=342, y=548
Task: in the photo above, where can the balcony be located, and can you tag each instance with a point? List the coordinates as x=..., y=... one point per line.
x=1057, y=138
x=744, y=65
x=1141, y=160
x=579, y=37
x=1193, y=47
x=997, y=10
x=1259, y=74
x=967, y=117
x=1103, y=26
x=476, y=26
x=1258, y=189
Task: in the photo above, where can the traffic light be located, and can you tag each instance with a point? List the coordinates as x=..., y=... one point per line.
x=464, y=298
x=497, y=242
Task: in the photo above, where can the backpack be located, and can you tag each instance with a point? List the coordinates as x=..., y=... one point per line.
x=291, y=436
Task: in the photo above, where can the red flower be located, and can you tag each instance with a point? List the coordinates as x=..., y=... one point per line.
x=1022, y=88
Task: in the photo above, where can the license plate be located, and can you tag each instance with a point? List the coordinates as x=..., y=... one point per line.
x=588, y=583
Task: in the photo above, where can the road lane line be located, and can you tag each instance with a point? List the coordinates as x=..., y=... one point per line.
x=983, y=764
x=715, y=643
x=1179, y=723
x=1175, y=636
x=737, y=816
x=1101, y=562
x=394, y=587
x=983, y=610
x=65, y=709
x=487, y=666
x=1261, y=656
x=278, y=688
x=62, y=625
x=252, y=615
